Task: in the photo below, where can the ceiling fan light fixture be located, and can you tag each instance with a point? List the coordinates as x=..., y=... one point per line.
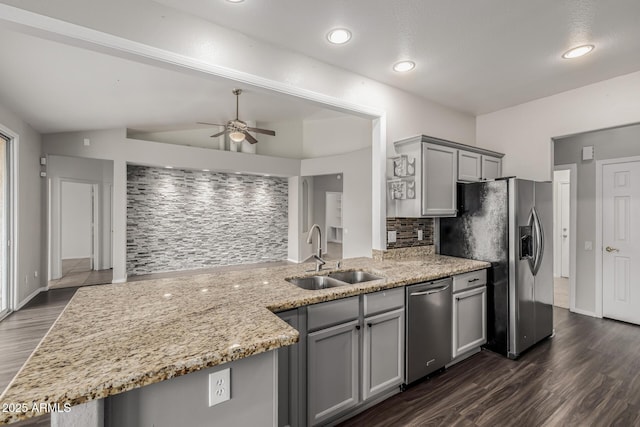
x=339, y=36
x=404, y=66
x=577, y=52
x=236, y=136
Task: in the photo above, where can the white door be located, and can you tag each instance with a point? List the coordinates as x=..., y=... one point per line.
x=565, y=203
x=621, y=241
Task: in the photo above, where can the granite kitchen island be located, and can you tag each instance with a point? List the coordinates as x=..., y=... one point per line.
x=114, y=338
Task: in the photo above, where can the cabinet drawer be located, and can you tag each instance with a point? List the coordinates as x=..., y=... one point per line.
x=378, y=302
x=332, y=313
x=469, y=280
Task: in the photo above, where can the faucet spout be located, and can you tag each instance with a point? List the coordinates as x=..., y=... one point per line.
x=318, y=256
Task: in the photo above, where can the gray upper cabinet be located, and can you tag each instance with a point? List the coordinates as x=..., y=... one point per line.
x=439, y=175
x=383, y=350
x=439, y=165
x=491, y=167
x=469, y=166
x=332, y=371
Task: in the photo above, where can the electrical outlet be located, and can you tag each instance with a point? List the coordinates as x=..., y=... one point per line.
x=87, y=142
x=35, y=273
x=391, y=236
x=420, y=236
x=219, y=386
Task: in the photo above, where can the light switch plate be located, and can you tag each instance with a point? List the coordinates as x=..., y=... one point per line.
x=219, y=387
x=420, y=235
x=391, y=236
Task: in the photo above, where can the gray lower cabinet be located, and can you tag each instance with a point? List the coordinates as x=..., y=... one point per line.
x=288, y=377
x=350, y=353
x=383, y=352
x=332, y=371
x=469, y=320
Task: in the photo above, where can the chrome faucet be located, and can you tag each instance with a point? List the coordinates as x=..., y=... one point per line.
x=318, y=255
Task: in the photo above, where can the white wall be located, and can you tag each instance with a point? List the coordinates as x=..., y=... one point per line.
x=327, y=137
x=76, y=217
x=288, y=140
x=74, y=169
x=524, y=132
x=356, y=194
x=31, y=250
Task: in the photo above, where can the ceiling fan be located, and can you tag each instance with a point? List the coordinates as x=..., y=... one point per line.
x=237, y=129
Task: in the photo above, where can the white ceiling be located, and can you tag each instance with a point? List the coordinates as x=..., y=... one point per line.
x=474, y=56
x=56, y=87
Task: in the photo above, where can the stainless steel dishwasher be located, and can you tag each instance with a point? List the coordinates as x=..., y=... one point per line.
x=428, y=328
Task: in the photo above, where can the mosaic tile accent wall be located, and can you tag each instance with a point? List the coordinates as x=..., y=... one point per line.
x=184, y=220
x=407, y=232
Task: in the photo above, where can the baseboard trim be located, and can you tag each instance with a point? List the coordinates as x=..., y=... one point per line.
x=584, y=312
x=30, y=297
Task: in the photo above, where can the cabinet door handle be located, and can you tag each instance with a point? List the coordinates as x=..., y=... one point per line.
x=369, y=325
x=358, y=327
x=473, y=280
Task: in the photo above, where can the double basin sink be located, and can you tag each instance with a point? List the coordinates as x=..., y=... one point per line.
x=332, y=280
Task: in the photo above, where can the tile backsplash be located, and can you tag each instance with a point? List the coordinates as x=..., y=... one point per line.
x=184, y=219
x=407, y=232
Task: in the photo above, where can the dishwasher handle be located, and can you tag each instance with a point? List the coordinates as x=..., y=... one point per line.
x=430, y=291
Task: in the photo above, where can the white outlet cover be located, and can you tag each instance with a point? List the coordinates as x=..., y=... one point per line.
x=391, y=236
x=420, y=235
x=219, y=387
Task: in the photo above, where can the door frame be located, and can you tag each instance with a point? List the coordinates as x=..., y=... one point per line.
x=96, y=238
x=13, y=218
x=573, y=221
x=599, y=226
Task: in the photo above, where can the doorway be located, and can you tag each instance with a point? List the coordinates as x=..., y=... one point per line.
x=620, y=186
x=322, y=198
x=564, y=226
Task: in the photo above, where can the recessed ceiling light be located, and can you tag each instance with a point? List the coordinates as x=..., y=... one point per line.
x=404, y=66
x=339, y=36
x=577, y=52
x=235, y=1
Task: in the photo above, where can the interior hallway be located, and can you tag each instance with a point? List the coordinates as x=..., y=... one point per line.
x=77, y=272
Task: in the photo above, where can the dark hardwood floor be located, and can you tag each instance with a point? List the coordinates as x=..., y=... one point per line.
x=21, y=332
x=587, y=375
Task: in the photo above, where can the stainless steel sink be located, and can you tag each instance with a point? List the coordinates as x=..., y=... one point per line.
x=316, y=282
x=353, y=277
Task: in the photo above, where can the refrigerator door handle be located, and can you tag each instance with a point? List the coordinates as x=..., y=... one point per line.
x=533, y=242
x=538, y=240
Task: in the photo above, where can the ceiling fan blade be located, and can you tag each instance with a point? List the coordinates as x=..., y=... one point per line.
x=249, y=138
x=264, y=131
x=218, y=134
x=211, y=124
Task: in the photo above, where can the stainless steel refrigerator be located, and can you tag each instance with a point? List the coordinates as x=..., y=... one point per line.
x=508, y=222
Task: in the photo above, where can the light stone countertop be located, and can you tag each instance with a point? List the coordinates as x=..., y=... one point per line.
x=114, y=338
